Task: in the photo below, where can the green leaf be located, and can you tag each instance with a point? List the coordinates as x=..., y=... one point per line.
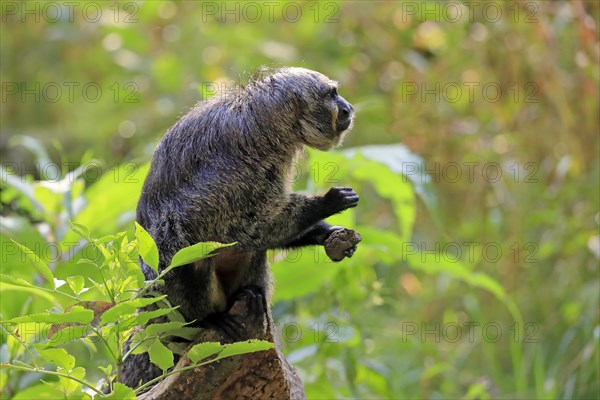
x=13, y=345
x=392, y=186
x=127, y=307
x=20, y=229
x=203, y=350
x=81, y=230
x=124, y=183
x=41, y=391
x=20, y=285
x=185, y=332
x=4, y=278
x=76, y=283
x=106, y=370
x=38, y=263
x=249, y=346
x=400, y=160
x=59, y=357
x=121, y=392
x=194, y=253
x=147, y=247
x=107, y=239
x=77, y=314
x=153, y=329
x=143, y=317
x=70, y=385
x=68, y=334
x=140, y=343
x=161, y=355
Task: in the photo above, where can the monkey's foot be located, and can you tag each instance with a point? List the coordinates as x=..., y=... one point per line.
x=247, y=308
x=255, y=303
x=230, y=325
x=341, y=243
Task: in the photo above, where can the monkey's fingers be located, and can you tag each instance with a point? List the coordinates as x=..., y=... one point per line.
x=350, y=252
x=352, y=200
x=341, y=198
x=256, y=309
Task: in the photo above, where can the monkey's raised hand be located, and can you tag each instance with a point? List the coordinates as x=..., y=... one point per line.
x=338, y=199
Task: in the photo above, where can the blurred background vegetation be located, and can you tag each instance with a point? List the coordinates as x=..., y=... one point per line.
x=478, y=273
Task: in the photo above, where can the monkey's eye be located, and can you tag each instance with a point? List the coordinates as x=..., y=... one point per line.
x=332, y=93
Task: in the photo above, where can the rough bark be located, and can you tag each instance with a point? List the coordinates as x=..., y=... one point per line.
x=260, y=375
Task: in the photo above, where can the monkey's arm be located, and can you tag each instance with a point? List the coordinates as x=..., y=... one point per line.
x=300, y=222
x=315, y=235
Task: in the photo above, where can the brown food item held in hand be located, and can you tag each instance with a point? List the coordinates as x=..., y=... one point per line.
x=342, y=243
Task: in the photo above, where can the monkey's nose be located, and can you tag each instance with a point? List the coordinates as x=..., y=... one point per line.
x=345, y=113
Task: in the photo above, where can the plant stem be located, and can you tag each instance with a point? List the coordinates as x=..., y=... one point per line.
x=43, y=371
x=175, y=371
x=151, y=284
x=105, y=343
x=138, y=345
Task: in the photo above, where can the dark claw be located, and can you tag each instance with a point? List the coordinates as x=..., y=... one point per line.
x=255, y=303
x=259, y=309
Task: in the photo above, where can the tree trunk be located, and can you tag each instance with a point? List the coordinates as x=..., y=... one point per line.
x=260, y=375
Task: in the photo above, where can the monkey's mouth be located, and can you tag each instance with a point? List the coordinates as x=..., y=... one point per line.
x=341, y=126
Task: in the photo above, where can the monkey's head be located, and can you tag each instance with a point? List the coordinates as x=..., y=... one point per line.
x=321, y=117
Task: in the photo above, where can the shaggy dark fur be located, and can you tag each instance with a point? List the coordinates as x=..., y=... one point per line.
x=223, y=173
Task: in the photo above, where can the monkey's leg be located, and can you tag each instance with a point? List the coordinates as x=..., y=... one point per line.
x=255, y=283
x=201, y=297
x=196, y=289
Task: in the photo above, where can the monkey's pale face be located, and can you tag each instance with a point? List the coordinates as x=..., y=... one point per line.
x=326, y=116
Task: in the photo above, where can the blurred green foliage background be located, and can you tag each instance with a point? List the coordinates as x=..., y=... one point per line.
x=478, y=275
